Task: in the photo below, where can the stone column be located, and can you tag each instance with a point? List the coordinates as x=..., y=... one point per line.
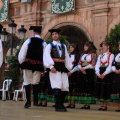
x=100, y=14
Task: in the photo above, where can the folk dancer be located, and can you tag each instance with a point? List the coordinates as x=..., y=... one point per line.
x=31, y=61
x=56, y=58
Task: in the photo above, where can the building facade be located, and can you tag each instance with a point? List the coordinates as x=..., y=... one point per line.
x=91, y=19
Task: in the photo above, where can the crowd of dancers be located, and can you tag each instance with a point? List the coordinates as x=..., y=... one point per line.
x=76, y=77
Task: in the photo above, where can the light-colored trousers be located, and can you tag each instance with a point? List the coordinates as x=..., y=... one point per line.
x=59, y=80
x=31, y=77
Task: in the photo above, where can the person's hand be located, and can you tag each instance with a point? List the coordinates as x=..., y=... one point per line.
x=83, y=70
x=69, y=73
x=102, y=76
x=117, y=71
x=53, y=70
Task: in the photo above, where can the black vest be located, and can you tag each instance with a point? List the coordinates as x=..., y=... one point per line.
x=34, y=56
x=55, y=52
x=60, y=66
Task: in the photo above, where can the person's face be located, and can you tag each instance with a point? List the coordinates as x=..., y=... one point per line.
x=55, y=36
x=71, y=48
x=86, y=47
x=105, y=48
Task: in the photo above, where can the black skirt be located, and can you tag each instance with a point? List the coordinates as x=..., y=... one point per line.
x=115, y=95
x=73, y=80
x=86, y=85
x=103, y=86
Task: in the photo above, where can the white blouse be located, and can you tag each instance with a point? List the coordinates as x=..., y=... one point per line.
x=24, y=48
x=72, y=59
x=48, y=61
x=90, y=59
x=106, y=60
x=117, y=59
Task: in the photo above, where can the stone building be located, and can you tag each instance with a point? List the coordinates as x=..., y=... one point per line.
x=91, y=19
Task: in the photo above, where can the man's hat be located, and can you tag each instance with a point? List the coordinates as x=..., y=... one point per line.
x=35, y=28
x=1, y=28
x=54, y=30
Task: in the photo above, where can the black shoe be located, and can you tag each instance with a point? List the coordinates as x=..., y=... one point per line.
x=40, y=104
x=100, y=108
x=104, y=108
x=60, y=110
x=87, y=107
x=118, y=110
x=44, y=105
x=82, y=107
x=27, y=105
x=53, y=105
x=35, y=104
x=72, y=106
x=68, y=106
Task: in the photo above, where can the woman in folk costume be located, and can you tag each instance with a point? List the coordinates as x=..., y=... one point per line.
x=73, y=79
x=103, y=71
x=115, y=95
x=86, y=75
x=56, y=58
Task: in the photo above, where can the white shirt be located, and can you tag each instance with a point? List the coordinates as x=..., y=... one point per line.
x=1, y=54
x=103, y=58
x=117, y=59
x=48, y=61
x=24, y=48
x=72, y=59
x=86, y=58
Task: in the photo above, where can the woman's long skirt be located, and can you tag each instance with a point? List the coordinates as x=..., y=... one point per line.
x=86, y=85
x=103, y=87
x=115, y=94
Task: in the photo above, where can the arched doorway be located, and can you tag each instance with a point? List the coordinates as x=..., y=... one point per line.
x=74, y=35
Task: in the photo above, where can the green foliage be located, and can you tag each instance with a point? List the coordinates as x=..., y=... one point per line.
x=63, y=39
x=13, y=71
x=114, y=37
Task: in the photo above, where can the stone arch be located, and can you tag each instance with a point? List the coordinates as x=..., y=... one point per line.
x=62, y=24
x=76, y=20
x=114, y=22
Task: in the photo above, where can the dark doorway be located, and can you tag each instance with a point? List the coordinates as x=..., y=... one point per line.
x=74, y=35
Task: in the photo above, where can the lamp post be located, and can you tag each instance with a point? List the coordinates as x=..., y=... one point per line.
x=22, y=32
x=4, y=34
x=12, y=30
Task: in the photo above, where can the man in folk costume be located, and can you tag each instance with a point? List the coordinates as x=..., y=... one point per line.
x=56, y=58
x=31, y=61
x=1, y=49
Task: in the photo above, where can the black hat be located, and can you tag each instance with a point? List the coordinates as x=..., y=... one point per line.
x=35, y=28
x=54, y=30
x=105, y=43
x=1, y=28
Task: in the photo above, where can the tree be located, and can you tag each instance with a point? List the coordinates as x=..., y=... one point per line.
x=13, y=71
x=114, y=37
